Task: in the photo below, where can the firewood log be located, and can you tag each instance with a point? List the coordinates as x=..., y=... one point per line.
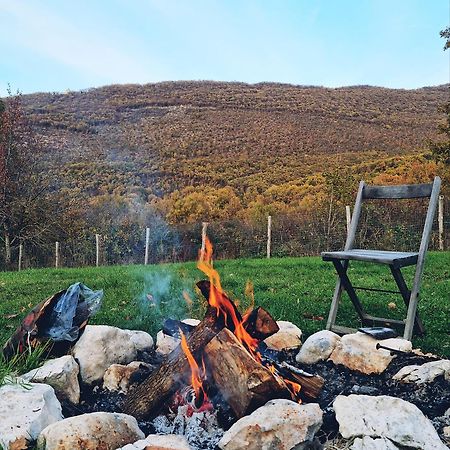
x=147, y=398
x=259, y=324
x=311, y=384
x=243, y=382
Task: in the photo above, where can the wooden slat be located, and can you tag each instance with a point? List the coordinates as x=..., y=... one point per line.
x=383, y=320
x=397, y=192
x=376, y=256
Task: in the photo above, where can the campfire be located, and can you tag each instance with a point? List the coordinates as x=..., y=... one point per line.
x=224, y=353
x=231, y=381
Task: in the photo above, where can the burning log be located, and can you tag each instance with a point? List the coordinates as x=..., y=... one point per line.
x=244, y=383
x=259, y=324
x=146, y=399
x=311, y=384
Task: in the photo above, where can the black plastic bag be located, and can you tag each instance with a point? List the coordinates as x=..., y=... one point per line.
x=72, y=309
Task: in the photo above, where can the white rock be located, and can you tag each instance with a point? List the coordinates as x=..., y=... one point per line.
x=92, y=431
x=385, y=417
x=159, y=442
x=25, y=412
x=318, y=347
x=165, y=343
x=193, y=322
x=425, y=373
x=100, y=346
x=289, y=336
x=61, y=374
x=279, y=424
x=367, y=443
x=117, y=376
x=358, y=352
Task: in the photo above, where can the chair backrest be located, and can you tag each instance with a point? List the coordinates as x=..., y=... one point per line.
x=406, y=191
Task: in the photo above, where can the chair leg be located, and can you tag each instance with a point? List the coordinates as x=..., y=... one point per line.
x=412, y=310
x=341, y=269
x=336, y=300
x=334, y=305
x=406, y=294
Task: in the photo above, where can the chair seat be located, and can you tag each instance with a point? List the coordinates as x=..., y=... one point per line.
x=397, y=259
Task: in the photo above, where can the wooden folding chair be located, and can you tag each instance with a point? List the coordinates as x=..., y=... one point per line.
x=395, y=260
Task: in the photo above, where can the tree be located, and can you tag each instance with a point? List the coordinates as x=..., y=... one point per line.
x=27, y=212
x=446, y=35
x=441, y=150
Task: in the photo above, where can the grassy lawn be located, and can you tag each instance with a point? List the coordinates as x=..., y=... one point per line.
x=294, y=289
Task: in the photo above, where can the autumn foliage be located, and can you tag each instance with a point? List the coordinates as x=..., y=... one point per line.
x=171, y=155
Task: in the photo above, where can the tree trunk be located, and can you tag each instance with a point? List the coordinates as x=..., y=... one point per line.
x=7, y=250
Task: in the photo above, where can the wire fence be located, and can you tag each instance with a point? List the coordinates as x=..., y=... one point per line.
x=382, y=226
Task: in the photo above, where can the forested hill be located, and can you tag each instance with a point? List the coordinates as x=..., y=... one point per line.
x=157, y=138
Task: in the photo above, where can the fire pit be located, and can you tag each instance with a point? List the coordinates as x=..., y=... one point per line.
x=224, y=387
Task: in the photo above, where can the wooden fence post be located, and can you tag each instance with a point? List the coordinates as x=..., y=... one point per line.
x=441, y=222
x=97, y=250
x=57, y=255
x=147, y=244
x=348, y=216
x=269, y=235
x=19, y=266
x=204, y=230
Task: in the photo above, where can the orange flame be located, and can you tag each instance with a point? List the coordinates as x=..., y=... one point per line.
x=294, y=387
x=226, y=310
x=218, y=300
x=196, y=376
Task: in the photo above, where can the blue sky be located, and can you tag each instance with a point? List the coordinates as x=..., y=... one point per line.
x=54, y=45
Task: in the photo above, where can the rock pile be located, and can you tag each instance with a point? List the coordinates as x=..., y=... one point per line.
x=30, y=408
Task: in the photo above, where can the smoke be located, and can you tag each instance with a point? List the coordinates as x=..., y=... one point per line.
x=164, y=293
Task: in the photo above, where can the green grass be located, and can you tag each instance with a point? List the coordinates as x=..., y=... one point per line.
x=294, y=289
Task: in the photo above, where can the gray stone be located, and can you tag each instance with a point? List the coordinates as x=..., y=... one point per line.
x=358, y=352
x=92, y=431
x=279, y=424
x=61, y=374
x=100, y=346
x=25, y=412
x=368, y=443
x=318, y=347
x=425, y=373
x=165, y=344
x=385, y=417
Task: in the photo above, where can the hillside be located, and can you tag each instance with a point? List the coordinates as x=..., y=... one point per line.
x=154, y=139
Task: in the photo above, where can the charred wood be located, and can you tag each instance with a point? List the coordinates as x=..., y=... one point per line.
x=244, y=383
x=147, y=398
